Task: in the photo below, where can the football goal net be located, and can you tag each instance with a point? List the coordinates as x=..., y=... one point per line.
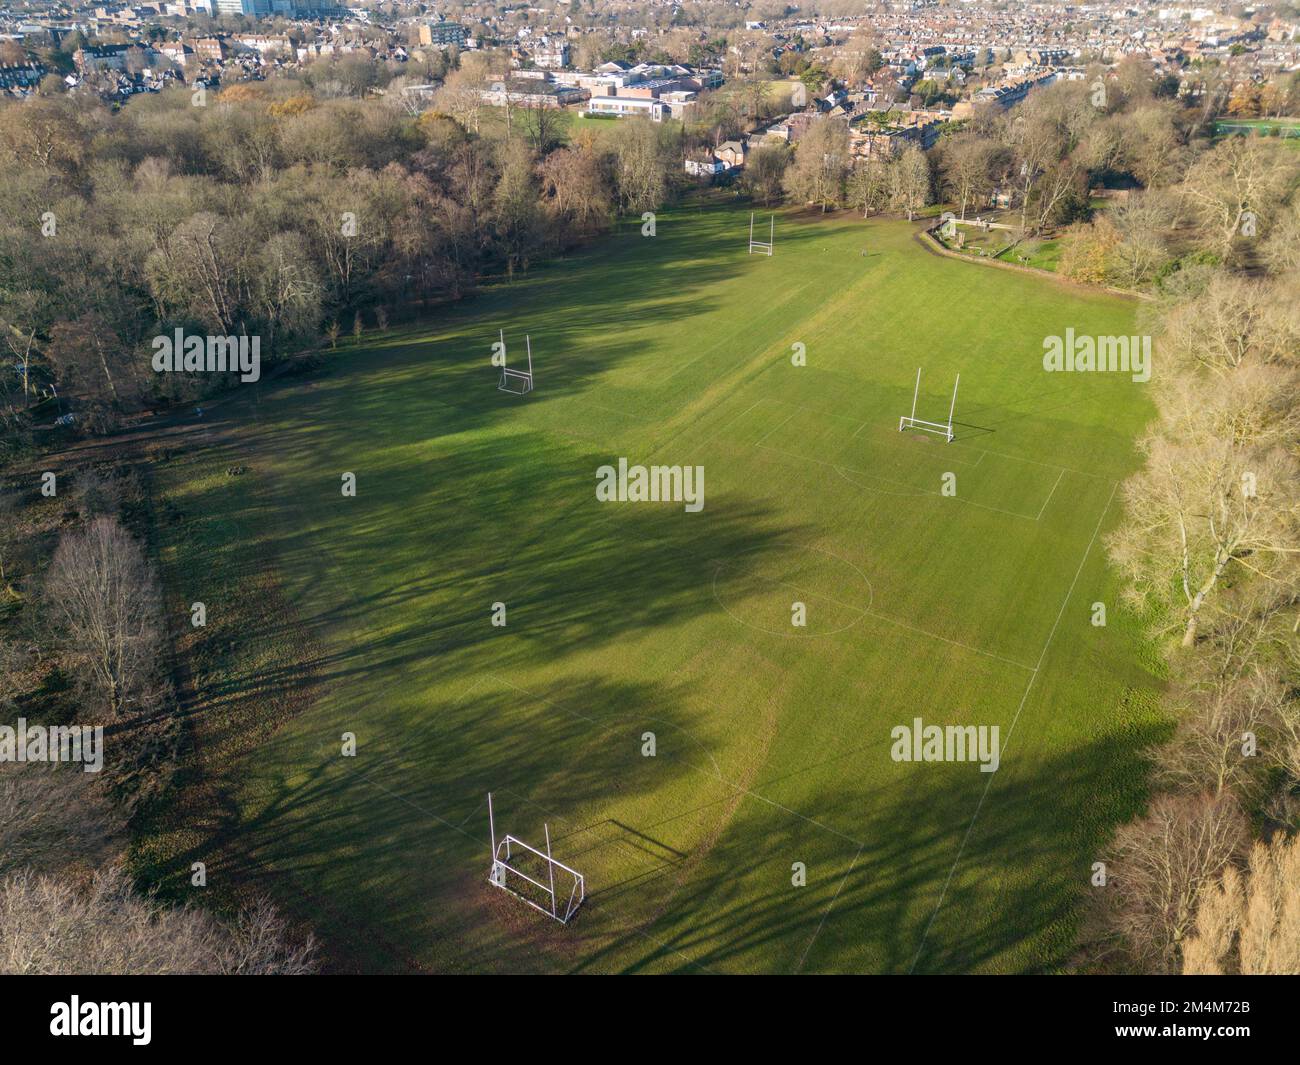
x=534, y=876
x=761, y=246
x=516, y=382
x=911, y=421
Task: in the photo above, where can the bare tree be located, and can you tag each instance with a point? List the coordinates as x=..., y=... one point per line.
x=967, y=169
x=1281, y=248
x=1210, y=749
x=910, y=181
x=1192, y=523
x=1039, y=143
x=1240, y=177
x=103, y=599
x=1234, y=321
x=869, y=186
x=53, y=817
x=1249, y=923
x=49, y=927
x=641, y=164
x=821, y=161
x=544, y=126
x=1162, y=864
x=576, y=187
x=8, y=533
x=1142, y=223
x=1156, y=148
x=765, y=169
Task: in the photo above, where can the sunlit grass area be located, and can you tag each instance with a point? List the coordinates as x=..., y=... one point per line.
x=632, y=628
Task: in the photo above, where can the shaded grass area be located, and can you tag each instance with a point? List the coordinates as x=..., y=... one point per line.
x=636, y=625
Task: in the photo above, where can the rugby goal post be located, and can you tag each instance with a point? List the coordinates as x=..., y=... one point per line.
x=911, y=421
x=531, y=875
x=516, y=382
x=762, y=247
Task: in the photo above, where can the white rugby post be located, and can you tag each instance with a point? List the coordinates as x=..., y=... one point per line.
x=911, y=421
x=516, y=382
x=763, y=247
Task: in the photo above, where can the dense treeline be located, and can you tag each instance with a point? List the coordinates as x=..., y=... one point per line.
x=270, y=211
x=1209, y=548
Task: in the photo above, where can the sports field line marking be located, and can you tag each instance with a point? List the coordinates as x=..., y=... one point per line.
x=827, y=912
x=980, y=451
x=1049, y=495
x=606, y=726
x=415, y=806
x=955, y=643
x=780, y=425
x=800, y=409
x=738, y=789
x=723, y=345
x=785, y=635
x=922, y=492
x=716, y=775
x=469, y=835
x=867, y=612
x=813, y=595
x=1011, y=731
x=912, y=492
x=640, y=419
x=730, y=422
x=1033, y=462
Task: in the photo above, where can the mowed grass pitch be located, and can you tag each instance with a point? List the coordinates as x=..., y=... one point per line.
x=773, y=743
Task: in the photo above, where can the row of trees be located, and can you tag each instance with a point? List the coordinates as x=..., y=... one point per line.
x=1209, y=546
x=1044, y=154
x=823, y=172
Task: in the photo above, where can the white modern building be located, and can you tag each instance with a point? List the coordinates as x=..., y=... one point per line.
x=620, y=106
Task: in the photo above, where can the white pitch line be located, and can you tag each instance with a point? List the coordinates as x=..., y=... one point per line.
x=416, y=806
x=843, y=880
x=730, y=422
x=740, y=789
x=1028, y=687
x=782, y=425
x=954, y=643
x=1049, y=495
x=913, y=492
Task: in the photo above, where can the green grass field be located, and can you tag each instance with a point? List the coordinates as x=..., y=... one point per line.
x=772, y=741
x=1286, y=128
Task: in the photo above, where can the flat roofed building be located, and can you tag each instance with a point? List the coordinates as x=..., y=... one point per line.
x=620, y=106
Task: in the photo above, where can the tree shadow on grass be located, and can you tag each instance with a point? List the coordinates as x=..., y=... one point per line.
x=1013, y=899
x=416, y=566
x=388, y=852
x=397, y=846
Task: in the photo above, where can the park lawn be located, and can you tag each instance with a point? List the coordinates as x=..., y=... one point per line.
x=772, y=743
x=1042, y=255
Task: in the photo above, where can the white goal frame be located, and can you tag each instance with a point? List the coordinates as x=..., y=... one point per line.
x=911, y=421
x=562, y=909
x=763, y=247
x=516, y=382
